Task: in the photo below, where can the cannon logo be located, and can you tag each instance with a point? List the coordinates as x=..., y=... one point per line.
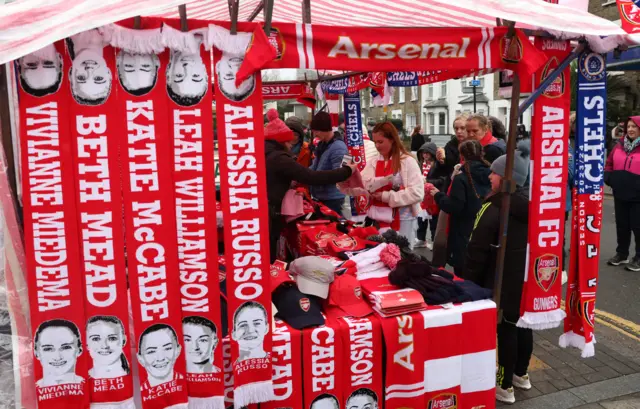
x=547, y=267
x=510, y=54
x=305, y=304
x=557, y=87
x=444, y=401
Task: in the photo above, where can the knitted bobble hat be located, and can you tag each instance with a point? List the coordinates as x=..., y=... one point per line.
x=276, y=129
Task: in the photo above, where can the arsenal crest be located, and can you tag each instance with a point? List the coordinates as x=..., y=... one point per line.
x=587, y=310
x=277, y=42
x=556, y=89
x=346, y=243
x=547, y=268
x=510, y=54
x=305, y=304
x=358, y=292
x=444, y=401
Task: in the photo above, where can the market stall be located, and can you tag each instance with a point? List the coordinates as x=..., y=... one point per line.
x=118, y=293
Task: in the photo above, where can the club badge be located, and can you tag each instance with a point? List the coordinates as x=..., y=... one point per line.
x=305, y=304
x=547, y=267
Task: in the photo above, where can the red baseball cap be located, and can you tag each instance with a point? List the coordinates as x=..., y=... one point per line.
x=345, y=298
x=279, y=275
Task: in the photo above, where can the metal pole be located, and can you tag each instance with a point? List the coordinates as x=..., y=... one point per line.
x=267, y=12
x=474, y=94
x=306, y=11
x=256, y=11
x=508, y=187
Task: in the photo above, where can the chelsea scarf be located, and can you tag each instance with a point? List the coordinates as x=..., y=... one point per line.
x=587, y=205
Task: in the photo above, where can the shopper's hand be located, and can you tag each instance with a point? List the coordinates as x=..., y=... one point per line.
x=353, y=167
x=433, y=191
x=440, y=155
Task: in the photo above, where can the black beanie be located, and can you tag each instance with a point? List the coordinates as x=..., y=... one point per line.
x=321, y=122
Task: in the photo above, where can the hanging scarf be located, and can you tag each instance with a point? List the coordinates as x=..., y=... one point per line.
x=246, y=217
x=541, y=296
x=190, y=101
x=287, y=367
x=54, y=275
x=384, y=214
x=587, y=206
x=150, y=222
x=99, y=204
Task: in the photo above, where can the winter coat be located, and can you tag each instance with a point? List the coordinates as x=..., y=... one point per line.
x=330, y=159
x=438, y=175
x=452, y=155
x=494, y=150
x=462, y=205
x=622, y=173
x=417, y=140
x=282, y=169
x=370, y=150
x=480, y=261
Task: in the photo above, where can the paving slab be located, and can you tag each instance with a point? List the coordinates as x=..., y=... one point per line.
x=633, y=403
x=601, y=391
x=557, y=400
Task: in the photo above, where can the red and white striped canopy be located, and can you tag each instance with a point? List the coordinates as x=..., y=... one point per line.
x=28, y=25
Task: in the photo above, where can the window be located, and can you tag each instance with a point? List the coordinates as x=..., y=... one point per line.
x=392, y=91
x=370, y=100
x=414, y=93
x=430, y=91
x=608, y=2
x=432, y=124
x=443, y=89
x=442, y=119
x=411, y=123
x=401, y=95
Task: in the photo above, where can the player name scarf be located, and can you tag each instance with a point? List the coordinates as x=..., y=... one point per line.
x=150, y=224
x=190, y=102
x=53, y=270
x=629, y=16
x=354, y=83
x=322, y=349
x=246, y=220
x=541, y=294
x=415, y=78
x=287, y=367
x=587, y=202
x=99, y=206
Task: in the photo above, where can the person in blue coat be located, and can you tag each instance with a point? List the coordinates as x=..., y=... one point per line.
x=328, y=156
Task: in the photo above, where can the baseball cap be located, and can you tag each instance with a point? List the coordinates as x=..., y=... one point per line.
x=297, y=309
x=279, y=275
x=313, y=275
x=345, y=298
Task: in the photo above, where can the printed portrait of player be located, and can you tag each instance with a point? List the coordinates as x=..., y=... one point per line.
x=362, y=398
x=57, y=345
x=41, y=72
x=200, y=340
x=137, y=73
x=106, y=338
x=226, y=70
x=250, y=326
x=158, y=351
x=325, y=401
x=90, y=77
x=187, y=80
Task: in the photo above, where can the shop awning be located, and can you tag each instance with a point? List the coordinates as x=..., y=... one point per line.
x=28, y=25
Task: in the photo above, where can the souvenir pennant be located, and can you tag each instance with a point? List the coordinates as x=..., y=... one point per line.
x=53, y=272
x=629, y=16
x=190, y=100
x=99, y=204
x=246, y=219
x=540, y=305
x=150, y=224
x=588, y=196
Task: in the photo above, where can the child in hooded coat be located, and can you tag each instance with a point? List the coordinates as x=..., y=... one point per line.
x=436, y=174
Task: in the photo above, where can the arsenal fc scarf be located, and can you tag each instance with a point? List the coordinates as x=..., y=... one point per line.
x=99, y=205
x=246, y=220
x=322, y=349
x=54, y=276
x=150, y=224
x=541, y=296
x=587, y=202
x=404, y=378
x=362, y=357
x=287, y=368
x=629, y=16
x=188, y=87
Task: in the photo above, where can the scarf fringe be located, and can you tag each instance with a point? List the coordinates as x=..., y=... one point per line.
x=542, y=320
x=571, y=339
x=134, y=41
x=221, y=38
x=255, y=392
x=215, y=402
x=46, y=53
x=186, y=42
x=125, y=404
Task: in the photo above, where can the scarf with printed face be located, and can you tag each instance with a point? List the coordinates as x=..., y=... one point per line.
x=99, y=205
x=287, y=368
x=322, y=349
x=150, y=224
x=51, y=238
x=541, y=296
x=246, y=228
x=190, y=101
x=587, y=205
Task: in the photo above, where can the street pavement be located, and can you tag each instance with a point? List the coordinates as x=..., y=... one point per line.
x=611, y=380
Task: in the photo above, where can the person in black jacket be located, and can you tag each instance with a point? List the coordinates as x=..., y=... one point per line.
x=469, y=187
x=282, y=169
x=417, y=139
x=449, y=157
x=479, y=128
x=515, y=345
x=435, y=173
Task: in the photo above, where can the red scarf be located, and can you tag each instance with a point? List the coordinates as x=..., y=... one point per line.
x=287, y=368
x=99, y=204
x=385, y=168
x=426, y=167
x=488, y=139
x=52, y=245
x=194, y=184
x=150, y=223
x=540, y=305
x=404, y=377
x=246, y=221
x=321, y=348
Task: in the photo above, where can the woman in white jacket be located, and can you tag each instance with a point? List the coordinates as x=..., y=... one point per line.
x=393, y=181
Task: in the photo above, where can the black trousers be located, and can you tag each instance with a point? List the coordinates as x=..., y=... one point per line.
x=627, y=220
x=515, y=347
x=423, y=225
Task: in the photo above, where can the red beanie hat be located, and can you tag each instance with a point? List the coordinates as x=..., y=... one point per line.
x=276, y=129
